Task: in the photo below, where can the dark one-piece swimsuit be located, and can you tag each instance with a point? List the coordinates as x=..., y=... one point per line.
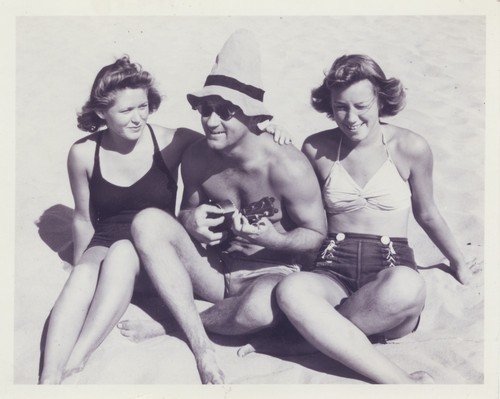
x=115, y=206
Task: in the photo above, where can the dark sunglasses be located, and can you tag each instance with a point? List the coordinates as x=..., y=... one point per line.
x=225, y=111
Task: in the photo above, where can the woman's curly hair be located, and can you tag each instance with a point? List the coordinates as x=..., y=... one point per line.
x=350, y=69
x=122, y=74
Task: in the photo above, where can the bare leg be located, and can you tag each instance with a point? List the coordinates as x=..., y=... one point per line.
x=69, y=313
x=308, y=300
x=141, y=330
x=253, y=311
x=112, y=297
x=391, y=304
x=159, y=320
x=161, y=241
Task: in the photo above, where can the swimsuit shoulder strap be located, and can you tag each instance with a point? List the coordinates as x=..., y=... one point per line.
x=338, y=150
x=97, y=146
x=97, y=164
x=158, y=157
x=386, y=147
x=153, y=137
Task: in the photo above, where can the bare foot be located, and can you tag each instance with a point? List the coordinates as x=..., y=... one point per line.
x=421, y=377
x=141, y=330
x=50, y=379
x=210, y=373
x=73, y=370
x=73, y=367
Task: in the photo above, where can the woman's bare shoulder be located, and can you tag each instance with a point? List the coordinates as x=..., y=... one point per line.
x=406, y=142
x=322, y=145
x=85, y=145
x=163, y=134
x=182, y=137
x=319, y=139
x=81, y=153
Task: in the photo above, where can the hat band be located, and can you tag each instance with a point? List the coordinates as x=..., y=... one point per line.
x=235, y=84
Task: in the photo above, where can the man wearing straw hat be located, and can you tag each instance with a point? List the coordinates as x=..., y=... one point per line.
x=235, y=267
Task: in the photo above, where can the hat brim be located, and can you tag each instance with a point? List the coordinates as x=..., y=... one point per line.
x=249, y=105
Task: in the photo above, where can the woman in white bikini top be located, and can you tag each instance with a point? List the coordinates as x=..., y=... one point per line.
x=372, y=175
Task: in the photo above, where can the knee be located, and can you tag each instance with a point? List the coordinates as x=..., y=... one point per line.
x=151, y=224
x=258, y=308
x=122, y=258
x=404, y=289
x=121, y=248
x=290, y=290
x=86, y=270
x=254, y=316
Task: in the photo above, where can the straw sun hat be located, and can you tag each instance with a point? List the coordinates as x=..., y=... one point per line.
x=236, y=76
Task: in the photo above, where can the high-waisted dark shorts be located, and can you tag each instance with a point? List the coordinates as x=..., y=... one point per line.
x=353, y=260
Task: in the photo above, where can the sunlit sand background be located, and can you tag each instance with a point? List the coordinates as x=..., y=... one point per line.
x=441, y=61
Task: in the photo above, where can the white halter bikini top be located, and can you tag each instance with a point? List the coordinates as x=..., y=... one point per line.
x=385, y=191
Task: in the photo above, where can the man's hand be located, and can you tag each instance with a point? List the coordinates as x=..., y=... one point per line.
x=199, y=221
x=260, y=233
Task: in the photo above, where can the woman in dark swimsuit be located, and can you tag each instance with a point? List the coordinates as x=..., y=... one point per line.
x=114, y=173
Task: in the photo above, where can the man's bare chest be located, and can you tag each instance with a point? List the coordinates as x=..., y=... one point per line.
x=241, y=187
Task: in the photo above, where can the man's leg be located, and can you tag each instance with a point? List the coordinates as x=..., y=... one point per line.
x=252, y=311
x=171, y=260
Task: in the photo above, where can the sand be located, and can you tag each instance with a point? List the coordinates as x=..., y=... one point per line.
x=57, y=59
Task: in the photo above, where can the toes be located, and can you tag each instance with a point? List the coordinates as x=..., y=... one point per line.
x=217, y=378
x=246, y=350
x=124, y=325
x=126, y=333
x=422, y=377
x=131, y=335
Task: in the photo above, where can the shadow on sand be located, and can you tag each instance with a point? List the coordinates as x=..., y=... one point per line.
x=54, y=228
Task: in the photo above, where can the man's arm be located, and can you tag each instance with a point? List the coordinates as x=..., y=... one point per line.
x=293, y=179
x=301, y=199
x=194, y=215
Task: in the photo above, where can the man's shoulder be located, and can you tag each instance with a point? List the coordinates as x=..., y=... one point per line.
x=289, y=162
x=281, y=153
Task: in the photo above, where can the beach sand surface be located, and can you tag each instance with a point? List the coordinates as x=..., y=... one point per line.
x=57, y=59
